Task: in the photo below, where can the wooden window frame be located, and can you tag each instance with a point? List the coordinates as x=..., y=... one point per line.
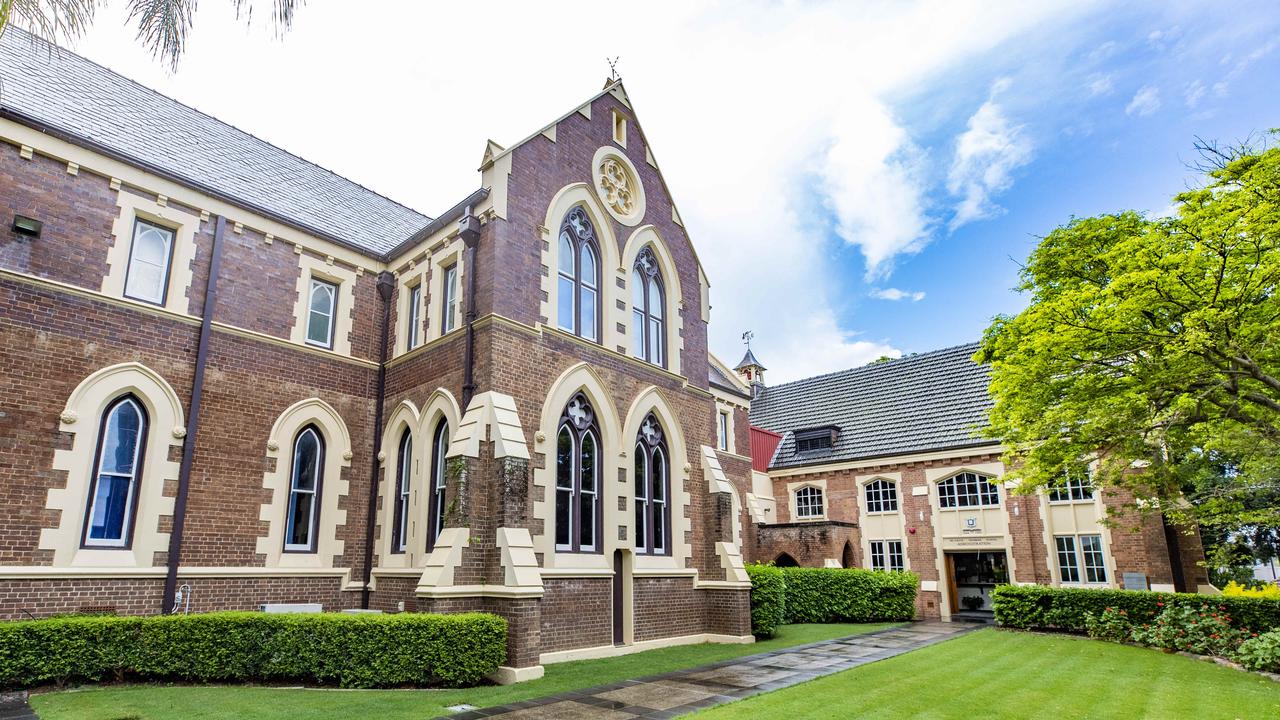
x=438, y=483
x=135, y=480
x=404, y=478
x=333, y=311
x=313, y=526
x=168, y=261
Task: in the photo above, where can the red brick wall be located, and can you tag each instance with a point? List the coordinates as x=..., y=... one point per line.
x=576, y=613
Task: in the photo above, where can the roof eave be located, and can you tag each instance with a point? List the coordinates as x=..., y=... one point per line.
x=886, y=456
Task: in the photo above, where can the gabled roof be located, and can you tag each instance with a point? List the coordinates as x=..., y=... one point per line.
x=720, y=376
x=748, y=360
x=71, y=96
x=931, y=401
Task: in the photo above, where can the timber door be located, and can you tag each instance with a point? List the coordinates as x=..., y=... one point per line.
x=619, y=596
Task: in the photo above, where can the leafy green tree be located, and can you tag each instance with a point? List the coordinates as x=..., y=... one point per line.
x=1153, y=346
x=162, y=25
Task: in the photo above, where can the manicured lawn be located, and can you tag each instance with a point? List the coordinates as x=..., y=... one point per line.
x=152, y=702
x=1002, y=674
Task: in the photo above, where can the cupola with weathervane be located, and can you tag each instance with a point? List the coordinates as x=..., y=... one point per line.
x=750, y=369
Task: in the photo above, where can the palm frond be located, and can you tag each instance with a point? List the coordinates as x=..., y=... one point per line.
x=57, y=21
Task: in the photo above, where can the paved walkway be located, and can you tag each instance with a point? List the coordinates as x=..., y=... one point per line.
x=683, y=691
x=13, y=706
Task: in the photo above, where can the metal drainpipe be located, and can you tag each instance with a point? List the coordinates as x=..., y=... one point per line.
x=193, y=418
x=469, y=231
x=386, y=285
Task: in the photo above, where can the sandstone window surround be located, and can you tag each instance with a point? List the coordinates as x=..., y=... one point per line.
x=646, y=242
x=325, y=294
x=648, y=309
x=578, y=478
x=888, y=520
x=122, y=439
x=152, y=252
x=445, y=302
x=651, y=476
x=809, y=503
x=1081, y=559
x=617, y=184
x=413, y=317
x=437, y=483
x=306, y=486
x=578, y=276
x=87, y=409
x=404, y=480
x=724, y=428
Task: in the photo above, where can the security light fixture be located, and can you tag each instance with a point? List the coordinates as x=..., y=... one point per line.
x=29, y=227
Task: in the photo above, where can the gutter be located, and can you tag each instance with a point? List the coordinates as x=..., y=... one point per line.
x=193, y=420
x=445, y=218
x=386, y=286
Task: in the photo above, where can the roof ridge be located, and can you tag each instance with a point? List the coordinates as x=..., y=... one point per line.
x=875, y=365
x=56, y=49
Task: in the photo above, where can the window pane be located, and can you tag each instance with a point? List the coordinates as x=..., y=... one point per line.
x=895, y=555
x=415, y=307
x=588, y=313
x=1094, y=565
x=321, y=297
x=318, y=329
x=588, y=463
x=299, y=530
x=450, y=309
x=145, y=282
x=564, y=501
x=148, y=262
x=659, y=527
x=565, y=261
x=659, y=476
x=110, y=508
x=637, y=291
x=1067, y=567
x=120, y=445
x=588, y=276
x=655, y=299
x=877, y=555
x=305, y=459
x=640, y=473
x=637, y=334
x=564, y=486
x=655, y=341
x=565, y=303
x=641, y=518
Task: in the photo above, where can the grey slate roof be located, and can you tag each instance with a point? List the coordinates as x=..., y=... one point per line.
x=749, y=359
x=931, y=401
x=716, y=377
x=86, y=101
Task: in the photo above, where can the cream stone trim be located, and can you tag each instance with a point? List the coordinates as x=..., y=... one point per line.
x=883, y=525
x=605, y=155
x=406, y=282
x=889, y=460
x=337, y=456
x=450, y=254
x=496, y=175
x=281, y=342
x=344, y=305
x=519, y=565
x=731, y=560
x=794, y=487
x=603, y=570
x=735, y=379
x=491, y=416
x=112, y=573
x=705, y=286
x=652, y=400
x=120, y=173
x=1077, y=517
x=607, y=651
x=459, y=591
x=181, y=254
x=511, y=675
x=405, y=416
x=673, y=315
x=443, y=560
x=82, y=418
x=566, y=199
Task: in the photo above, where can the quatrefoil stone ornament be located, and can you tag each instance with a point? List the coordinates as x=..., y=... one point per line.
x=616, y=186
x=580, y=412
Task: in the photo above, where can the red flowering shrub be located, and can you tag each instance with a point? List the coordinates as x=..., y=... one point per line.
x=1113, y=625
x=1204, y=630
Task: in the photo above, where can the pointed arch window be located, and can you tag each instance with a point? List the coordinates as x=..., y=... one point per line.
x=648, y=309
x=113, y=490
x=578, y=478
x=652, y=489
x=578, y=276
x=305, y=484
x=438, y=484
x=404, y=474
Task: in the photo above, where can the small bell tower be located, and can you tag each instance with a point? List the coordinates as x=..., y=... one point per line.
x=750, y=369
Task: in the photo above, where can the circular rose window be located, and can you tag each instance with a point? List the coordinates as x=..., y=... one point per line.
x=618, y=186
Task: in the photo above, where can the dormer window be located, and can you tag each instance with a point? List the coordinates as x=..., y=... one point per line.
x=816, y=439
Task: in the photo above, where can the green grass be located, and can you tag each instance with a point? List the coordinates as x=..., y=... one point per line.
x=202, y=702
x=1002, y=674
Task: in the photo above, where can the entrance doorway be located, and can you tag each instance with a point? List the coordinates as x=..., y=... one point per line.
x=971, y=576
x=619, y=597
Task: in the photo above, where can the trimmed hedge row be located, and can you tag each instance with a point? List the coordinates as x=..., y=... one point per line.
x=347, y=650
x=828, y=595
x=1066, y=609
x=768, y=599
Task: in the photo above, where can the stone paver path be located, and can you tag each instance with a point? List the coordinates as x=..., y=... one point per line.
x=676, y=693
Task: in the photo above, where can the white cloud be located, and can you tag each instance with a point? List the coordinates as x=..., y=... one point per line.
x=757, y=113
x=1193, y=93
x=896, y=294
x=1100, y=84
x=986, y=155
x=1103, y=51
x=1144, y=102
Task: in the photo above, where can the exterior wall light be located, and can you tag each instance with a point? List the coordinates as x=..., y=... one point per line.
x=29, y=227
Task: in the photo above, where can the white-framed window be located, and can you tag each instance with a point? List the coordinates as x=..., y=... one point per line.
x=648, y=299
x=882, y=496
x=404, y=474
x=439, y=484
x=322, y=300
x=1080, y=555
x=887, y=555
x=305, y=481
x=968, y=490
x=809, y=502
x=149, y=258
x=578, y=478
x=413, y=334
x=722, y=430
x=121, y=443
x=652, y=483
x=449, y=308
x=578, y=276
x=1074, y=488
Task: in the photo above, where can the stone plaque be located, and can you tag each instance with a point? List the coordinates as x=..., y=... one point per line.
x=1135, y=581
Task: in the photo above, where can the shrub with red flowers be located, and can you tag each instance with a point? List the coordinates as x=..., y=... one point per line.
x=1204, y=630
x=1113, y=625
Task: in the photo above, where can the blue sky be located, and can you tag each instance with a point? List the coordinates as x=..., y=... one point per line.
x=822, y=154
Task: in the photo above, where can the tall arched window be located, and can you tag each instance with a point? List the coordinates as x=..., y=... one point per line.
x=438, y=483
x=653, y=488
x=114, y=487
x=882, y=496
x=648, y=324
x=578, y=478
x=578, y=276
x=404, y=473
x=305, y=481
x=968, y=490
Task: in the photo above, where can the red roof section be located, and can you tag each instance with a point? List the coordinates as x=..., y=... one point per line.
x=763, y=445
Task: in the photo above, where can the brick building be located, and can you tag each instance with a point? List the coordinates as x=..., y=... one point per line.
x=882, y=467
x=231, y=378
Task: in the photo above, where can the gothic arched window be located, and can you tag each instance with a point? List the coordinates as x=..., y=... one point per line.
x=578, y=276
x=578, y=478
x=653, y=489
x=404, y=474
x=113, y=491
x=648, y=310
x=305, y=481
x=438, y=484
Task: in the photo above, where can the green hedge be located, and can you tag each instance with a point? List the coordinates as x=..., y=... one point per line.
x=347, y=650
x=830, y=595
x=768, y=599
x=1047, y=608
